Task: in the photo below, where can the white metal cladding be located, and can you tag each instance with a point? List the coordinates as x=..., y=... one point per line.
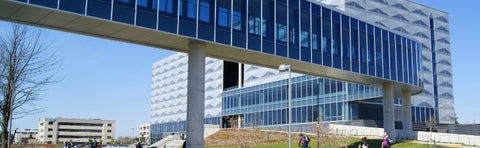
x=412, y=20
x=169, y=89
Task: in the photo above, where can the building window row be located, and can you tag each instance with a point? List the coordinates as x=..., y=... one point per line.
x=296, y=29
x=76, y=136
x=80, y=130
x=80, y=124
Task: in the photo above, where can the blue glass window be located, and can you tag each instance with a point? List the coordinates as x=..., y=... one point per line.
x=124, y=11
x=404, y=60
x=326, y=37
x=188, y=15
x=393, y=69
x=378, y=52
x=398, y=45
x=205, y=11
x=205, y=19
x=167, y=18
x=147, y=13
x=254, y=24
x=386, y=63
x=305, y=31
x=167, y=6
x=223, y=15
x=370, y=50
x=363, y=47
x=46, y=3
x=268, y=26
x=188, y=7
x=316, y=35
x=346, y=42
x=293, y=29
x=99, y=8
x=77, y=6
x=223, y=22
x=409, y=61
x=354, y=50
x=281, y=24
x=336, y=43
x=239, y=23
x=415, y=66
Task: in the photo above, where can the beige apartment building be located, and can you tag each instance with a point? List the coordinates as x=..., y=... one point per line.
x=145, y=132
x=59, y=130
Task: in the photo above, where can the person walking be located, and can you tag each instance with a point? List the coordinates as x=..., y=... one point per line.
x=70, y=144
x=363, y=143
x=386, y=143
x=302, y=141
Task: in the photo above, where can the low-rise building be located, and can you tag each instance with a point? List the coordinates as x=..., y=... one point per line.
x=80, y=131
x=23, y=136
x=145, y=133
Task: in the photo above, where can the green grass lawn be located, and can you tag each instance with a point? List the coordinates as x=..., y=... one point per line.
x=245, y=138
x=352, y=143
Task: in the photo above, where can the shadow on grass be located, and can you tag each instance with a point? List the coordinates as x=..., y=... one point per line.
x=372, y=143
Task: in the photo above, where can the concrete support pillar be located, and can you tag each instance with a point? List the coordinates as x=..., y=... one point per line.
x=195, y=96
x=388, y=109
x=239, y=122
x=407, y=111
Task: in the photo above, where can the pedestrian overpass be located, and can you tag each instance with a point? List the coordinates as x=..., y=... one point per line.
x=312, y=38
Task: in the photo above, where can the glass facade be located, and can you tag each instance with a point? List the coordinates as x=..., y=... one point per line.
x=313, y=99
x=296, y=29
x=158, y=131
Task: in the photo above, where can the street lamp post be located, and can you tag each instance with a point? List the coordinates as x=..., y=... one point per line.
x=285, y=68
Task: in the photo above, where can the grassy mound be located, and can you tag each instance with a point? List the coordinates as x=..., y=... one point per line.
x=255, y=138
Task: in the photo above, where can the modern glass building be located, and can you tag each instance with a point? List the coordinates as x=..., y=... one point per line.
x=260, y=100
x=374, y=42
x=299, y=30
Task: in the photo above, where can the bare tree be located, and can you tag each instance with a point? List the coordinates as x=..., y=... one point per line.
x=432, y=124
x=25, y=69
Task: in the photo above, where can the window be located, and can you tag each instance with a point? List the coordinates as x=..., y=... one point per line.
x=254, y=25
x=326, y=37
x=204, y=11
x=237, y=20
x=189, y=7
x=254, y=22
x=49, y=136
x=281, y=22
x=148, y=3
x=346, y=42
x=50, y=129
x=166, y=6
x=223, y=17
x=238, y=12
x=109, y=131
x=282, y=32
x=109, y=124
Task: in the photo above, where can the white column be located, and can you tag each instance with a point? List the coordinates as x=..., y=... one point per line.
x=239, y=122
x=407, y=111
x=195, y=96
x=388, y=110
x=240, y=76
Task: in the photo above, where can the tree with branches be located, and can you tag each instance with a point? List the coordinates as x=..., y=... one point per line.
x=25, y=69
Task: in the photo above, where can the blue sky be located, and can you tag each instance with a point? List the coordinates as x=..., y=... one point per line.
x=112, y=80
